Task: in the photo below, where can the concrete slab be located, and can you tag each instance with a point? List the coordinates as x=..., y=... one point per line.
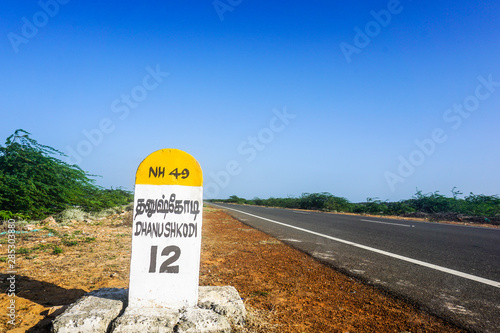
x=93, y=313
x=155, y=320
x=196, y=320
x=105, y=310
x=225, y=301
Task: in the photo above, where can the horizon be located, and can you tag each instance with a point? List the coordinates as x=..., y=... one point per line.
x=460, y=196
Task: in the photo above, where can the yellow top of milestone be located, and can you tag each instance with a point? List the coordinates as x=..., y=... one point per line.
x=169, y=167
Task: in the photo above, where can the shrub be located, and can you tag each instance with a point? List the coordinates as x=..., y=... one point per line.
x=70, y=243
x=473, y=208
x=72, y=214
x=104, y=212
x=23, y=250
x=338, y=204
x=35, y=182
x=5, y=215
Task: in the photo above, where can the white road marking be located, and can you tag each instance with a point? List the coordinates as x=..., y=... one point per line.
x=398, y=224
x=385, y=253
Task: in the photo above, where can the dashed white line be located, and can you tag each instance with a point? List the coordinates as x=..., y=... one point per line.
x=397, y=224
x=385, y=253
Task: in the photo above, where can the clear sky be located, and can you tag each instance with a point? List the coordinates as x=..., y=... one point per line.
x=359, y=99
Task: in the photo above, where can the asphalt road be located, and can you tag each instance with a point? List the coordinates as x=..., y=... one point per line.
x=452, y=271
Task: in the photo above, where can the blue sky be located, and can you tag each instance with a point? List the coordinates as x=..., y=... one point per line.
x=363, y=99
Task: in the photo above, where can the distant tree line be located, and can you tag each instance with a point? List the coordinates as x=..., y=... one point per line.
x=434, y=206
x=35, y=182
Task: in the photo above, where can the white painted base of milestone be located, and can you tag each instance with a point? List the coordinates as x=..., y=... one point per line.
x=169, y=238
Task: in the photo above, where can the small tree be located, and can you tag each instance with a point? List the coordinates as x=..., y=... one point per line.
x=236, y=199
x=35, y=182
x=338, y=204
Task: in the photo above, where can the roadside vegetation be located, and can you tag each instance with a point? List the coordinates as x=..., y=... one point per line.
x=36, y=183
x=474, y=208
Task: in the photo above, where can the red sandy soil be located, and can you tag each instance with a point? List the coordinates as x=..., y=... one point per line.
x=284, y=290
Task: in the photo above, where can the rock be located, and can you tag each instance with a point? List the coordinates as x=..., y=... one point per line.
x=158, y=320
x=196, y=320
x=49, y=222
x=94, y=312
x=29, y=227
x=56, y=310
x=224, y=301
x=218, y=309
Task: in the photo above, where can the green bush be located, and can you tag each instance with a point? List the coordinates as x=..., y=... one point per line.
x=237, y=200
x=400, y=208
x=482, y=205
x=314, y=200
x=473, y=208
x=70, y=243
x=23, y=250
x=5, y=215
x=338, y=204
x=35, y=182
